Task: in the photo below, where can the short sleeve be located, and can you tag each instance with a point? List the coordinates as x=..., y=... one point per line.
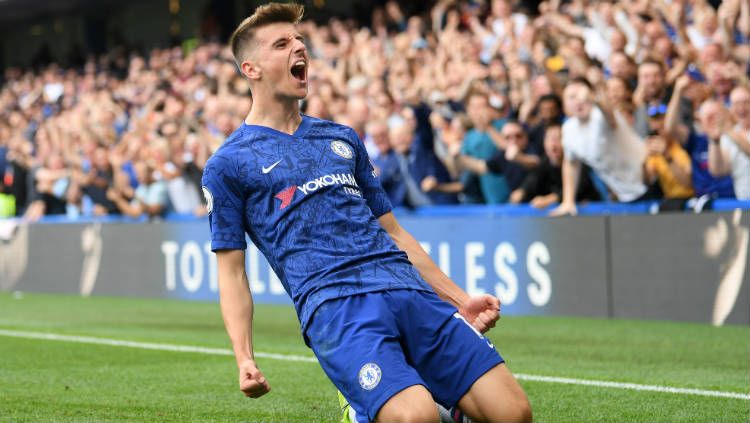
x=368, y=181
x=225, y=203
x=158, y=194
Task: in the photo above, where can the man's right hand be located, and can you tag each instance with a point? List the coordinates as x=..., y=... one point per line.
x=252, y=382
x=681, y=83
x=565, y=209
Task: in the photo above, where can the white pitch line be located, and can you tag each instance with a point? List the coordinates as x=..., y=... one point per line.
x=307, y=359
x=146, y=345
x=631, y=386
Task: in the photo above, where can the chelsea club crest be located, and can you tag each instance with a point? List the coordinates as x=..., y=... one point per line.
x=342, y=149
x=369, y=376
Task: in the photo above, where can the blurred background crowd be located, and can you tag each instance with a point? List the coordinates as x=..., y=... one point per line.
x=549, y=103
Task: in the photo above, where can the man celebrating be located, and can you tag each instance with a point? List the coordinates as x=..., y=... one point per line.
x=305, y=192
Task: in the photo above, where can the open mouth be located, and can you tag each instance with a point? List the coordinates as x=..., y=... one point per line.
x=299, y=70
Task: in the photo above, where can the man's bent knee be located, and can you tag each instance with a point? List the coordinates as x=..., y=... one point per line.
x=521, y=411
x=496, y=396
x=412, y=405
x=411, y=415
x=505, y=409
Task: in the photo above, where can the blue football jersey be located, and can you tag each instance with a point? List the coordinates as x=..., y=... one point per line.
x=310, y=202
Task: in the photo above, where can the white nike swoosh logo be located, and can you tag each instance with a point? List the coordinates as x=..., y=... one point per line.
x=269, y=168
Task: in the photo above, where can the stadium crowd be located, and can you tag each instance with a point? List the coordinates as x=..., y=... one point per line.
x=473, y=102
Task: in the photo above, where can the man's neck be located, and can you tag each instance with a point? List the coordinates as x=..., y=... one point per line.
x=283, y=116
x=481, y=126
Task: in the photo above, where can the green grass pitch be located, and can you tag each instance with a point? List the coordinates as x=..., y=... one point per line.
x=54, y=381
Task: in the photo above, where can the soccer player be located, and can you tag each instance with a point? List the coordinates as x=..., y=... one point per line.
x=389, y=329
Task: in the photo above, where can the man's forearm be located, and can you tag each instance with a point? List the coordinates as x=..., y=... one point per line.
x=431, y=273
x=237, y=310
x=717, y=165
x=571, y=170
x=671, y=124
x=528, y=161
x=472, y=164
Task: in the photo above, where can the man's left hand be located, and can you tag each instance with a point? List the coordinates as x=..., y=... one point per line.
x=482, y=311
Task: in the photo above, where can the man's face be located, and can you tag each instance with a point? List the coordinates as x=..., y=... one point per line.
x=548, y=110
x=379, y=134
x=656, y=123
x=617, y=91
x=651, y=79
x=358, y=111
x=709, y=115
x=478, y=109
x=719, y=79
x=619, y=65
x=142, y=172
x=501, y=8
x=401, y=138
x=577, y=101
x=514, y=134
x=279, y=61
x=711, y=53
x=553, y=144
x=101, y=160
x=654, y=30
x=663, y=46
x=618, y=41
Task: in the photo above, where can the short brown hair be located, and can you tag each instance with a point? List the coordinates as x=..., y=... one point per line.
x=652, y=61
x=267, y=14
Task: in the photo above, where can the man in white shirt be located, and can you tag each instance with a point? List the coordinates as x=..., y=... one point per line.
x=602, y=139
x=729, y=150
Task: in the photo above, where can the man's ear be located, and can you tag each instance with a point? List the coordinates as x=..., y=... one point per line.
x=250, y=70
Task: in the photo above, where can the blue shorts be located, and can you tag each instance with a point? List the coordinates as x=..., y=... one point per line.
x=374, y=345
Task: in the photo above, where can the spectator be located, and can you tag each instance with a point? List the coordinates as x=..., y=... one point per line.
x=16, y=176
x=358, y=113
x=596, y=136
x=149, y=199
x=623, y=67
x=480, y=143
x=730, y=153
x=669, y=165
x=51, y=183
x=96, y=179
x=513, y=161
x=696, y=141
x=620, y=96
x=653, y=91
x=549, y=112
x=376, y=139
x=403, y=172
x=543, y=186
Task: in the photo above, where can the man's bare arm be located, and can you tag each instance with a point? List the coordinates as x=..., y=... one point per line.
x=481, y=311
x=237, y=311
x=718, y=160
x=443, y=286
x=571, y=172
